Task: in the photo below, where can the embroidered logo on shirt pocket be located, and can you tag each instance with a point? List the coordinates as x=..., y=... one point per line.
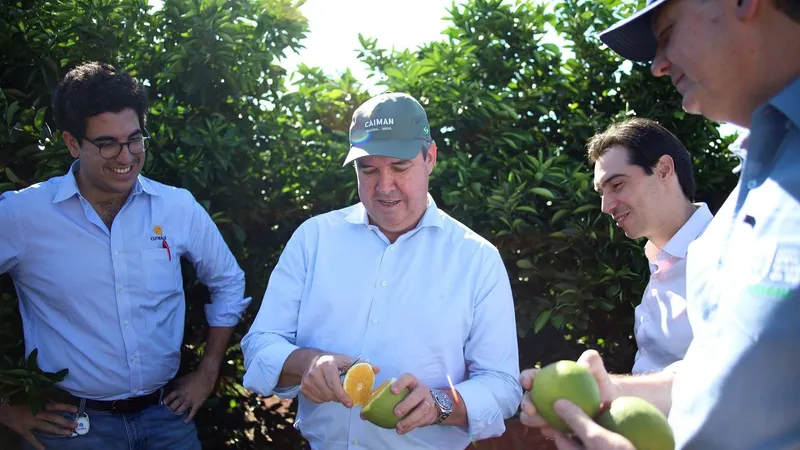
x=161, y=273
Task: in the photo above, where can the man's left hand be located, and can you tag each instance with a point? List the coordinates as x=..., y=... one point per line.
x=190, y=392
x=419, y=404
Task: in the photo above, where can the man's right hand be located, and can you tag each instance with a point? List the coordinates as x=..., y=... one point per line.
x=321, y=381
x=20, y=419
x=589, y=359
x=591, y=435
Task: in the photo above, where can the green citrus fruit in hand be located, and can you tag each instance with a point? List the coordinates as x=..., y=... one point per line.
x=640, y=422
x=567, y=380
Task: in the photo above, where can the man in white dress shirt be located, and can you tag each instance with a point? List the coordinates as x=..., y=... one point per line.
x=394, y=281
x=644, y=174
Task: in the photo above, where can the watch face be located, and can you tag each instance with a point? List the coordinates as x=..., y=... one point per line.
x=443, y=400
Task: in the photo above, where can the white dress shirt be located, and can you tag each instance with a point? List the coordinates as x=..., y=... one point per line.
x=108, y=304
x=436, y=302
x=662, y=328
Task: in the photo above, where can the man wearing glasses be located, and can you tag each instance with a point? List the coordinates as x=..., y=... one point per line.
x=95, y=259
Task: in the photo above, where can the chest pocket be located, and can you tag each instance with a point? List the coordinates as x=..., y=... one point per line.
x=161, y=276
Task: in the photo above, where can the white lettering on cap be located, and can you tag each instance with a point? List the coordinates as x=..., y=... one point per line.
x=379, y=122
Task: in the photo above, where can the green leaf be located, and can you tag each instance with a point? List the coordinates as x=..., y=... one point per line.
x=525, y=264
x=10, y=111
x=544, y=316
x=584, y=208
x=558, y=215
x=31, y=364
x=11, y=176
x=544, y=192
x=526, y=208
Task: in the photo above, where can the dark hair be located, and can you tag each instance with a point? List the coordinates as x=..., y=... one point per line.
x=94, y=88
x=790, y=7
x=646, y=142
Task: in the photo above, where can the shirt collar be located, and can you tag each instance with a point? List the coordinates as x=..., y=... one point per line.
x=431, y=218
x=788, y=102
x=678, y=245
x=69, y=186
x=739, y=148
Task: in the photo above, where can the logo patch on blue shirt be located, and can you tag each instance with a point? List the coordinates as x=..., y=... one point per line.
x=778, y=274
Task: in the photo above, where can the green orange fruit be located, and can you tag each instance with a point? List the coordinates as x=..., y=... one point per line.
x=567, y=380
x=640, y=422
x=379, y=409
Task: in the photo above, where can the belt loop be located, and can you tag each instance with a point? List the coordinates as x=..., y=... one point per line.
x=82, y=407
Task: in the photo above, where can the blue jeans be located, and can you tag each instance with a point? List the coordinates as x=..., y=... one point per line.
x=155, y=427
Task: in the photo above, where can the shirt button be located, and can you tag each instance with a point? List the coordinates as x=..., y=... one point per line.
x=126, y=323
x=751, y=184
x=383, y=283
x=393, y=247
x=355, y=442
x=133, y=358
x=121, y=288
x=374, y=320
x=116, y=253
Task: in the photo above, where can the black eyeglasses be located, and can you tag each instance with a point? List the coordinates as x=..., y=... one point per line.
x=110, y=150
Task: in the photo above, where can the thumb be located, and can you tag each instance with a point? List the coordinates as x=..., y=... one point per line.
x=591, y=360
x=33, y=441
x=578, y=421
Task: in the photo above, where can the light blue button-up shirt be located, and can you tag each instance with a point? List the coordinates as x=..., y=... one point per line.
x=109, y=304
x=436, y=302
x=739, y=385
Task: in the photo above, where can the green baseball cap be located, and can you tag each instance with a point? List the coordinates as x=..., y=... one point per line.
x=390, y=124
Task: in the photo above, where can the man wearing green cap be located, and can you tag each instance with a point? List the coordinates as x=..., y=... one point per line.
x=395, y=282
x=734, y=61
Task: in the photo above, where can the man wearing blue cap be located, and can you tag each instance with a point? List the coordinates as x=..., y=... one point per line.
x=396, y=282
x=734, y=61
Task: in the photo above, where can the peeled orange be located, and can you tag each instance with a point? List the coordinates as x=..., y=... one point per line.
x=358, y=383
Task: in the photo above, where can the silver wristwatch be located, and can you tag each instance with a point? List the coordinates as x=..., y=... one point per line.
x=443, y=403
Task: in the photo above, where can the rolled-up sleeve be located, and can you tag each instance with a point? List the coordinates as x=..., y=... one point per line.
x=272, y=337
x=216, y=268
x=492, y=393
x=10, y=239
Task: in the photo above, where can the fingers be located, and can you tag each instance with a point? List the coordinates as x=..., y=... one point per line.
x=580, y=424
x=185, y=405
x=562, y=442
x=423, y=414
x=335, y=389
x=311, y=392
x=171, y=397
x=529, y=416
x=593, y=436
x=58, y=421
x=405, y=381
x=526, y=378
x=417, y=407
x=32, y=440
x=342, y=361
x=417, y=396
x=192, y=411
x=592, y=360
x=176, y=403
x=61, y=407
